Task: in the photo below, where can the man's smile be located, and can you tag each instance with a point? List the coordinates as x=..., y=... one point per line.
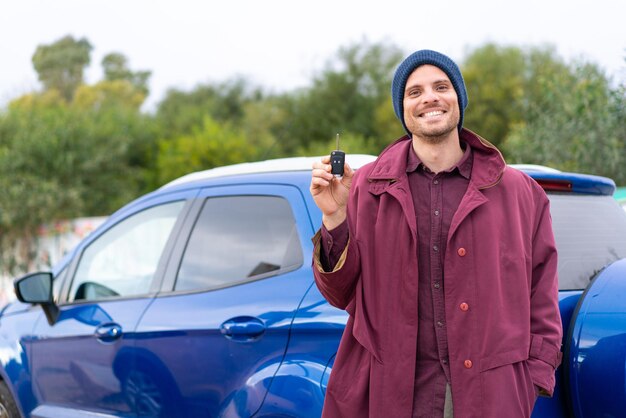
x=432, y=113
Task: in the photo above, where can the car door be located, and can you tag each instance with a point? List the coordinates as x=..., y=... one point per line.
x=217, y=334
x=79, y=363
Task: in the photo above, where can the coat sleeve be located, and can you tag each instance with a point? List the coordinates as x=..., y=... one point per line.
x=338, y=286
x=546, y=329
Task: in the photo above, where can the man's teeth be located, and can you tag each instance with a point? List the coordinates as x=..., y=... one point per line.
x=434, y=113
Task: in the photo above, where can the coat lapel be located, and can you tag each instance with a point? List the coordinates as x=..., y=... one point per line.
x=389, y=176
x=487, y=171
x=399, y=190
x=472, y=199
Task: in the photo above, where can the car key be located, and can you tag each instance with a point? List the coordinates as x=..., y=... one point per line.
x=337, y=160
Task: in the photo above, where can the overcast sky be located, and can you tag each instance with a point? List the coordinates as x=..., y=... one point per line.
x=280, y=44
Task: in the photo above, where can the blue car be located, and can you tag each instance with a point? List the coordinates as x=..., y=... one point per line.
x=198, y=300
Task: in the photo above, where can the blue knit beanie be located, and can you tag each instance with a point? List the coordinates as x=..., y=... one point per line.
x=416, y=59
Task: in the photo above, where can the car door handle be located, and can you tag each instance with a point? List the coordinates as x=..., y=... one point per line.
x=243, y=328
x=108, y=332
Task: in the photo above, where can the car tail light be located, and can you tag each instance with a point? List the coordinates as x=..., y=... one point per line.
x=555, y=185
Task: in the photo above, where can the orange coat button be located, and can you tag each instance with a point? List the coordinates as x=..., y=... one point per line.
x=461, y=251
x=467, y=364
x=464, y=306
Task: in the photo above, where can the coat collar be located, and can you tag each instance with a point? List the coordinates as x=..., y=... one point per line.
x=390, y=166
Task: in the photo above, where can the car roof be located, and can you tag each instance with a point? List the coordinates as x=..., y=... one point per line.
x=268, y=166
x=552, y=180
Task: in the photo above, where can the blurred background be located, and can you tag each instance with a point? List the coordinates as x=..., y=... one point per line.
x=102, y=101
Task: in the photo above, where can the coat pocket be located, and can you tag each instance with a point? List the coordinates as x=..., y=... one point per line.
x=501, y=359
x=350, y=376
x=507, y=386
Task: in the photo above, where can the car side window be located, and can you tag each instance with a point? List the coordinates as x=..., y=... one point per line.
x=590, y=233
x=123, y=260
x=238, y=239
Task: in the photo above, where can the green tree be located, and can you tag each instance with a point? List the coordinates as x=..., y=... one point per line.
x=345, y=97
x=260, y=119
x=495, y=80
x=211, y=145
x=386, y=125
x=106, y=94
x=60, y=65
x=115, y=66
x=181, y=112
x=61, y=161
x=575, y=125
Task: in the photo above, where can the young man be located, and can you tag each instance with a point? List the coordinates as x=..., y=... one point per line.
x=444, y=258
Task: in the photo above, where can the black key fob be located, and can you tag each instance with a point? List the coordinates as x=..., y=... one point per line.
x=337, y=160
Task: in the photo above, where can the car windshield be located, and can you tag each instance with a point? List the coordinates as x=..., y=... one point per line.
x=590, y=233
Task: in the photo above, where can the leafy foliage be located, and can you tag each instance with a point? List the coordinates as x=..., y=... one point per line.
x=578, y=126
x=495, y=82
x=67, y=155
x=211, y=145
x=60, y=65
x=344, y=98
x=115, y=66
x=181, y=112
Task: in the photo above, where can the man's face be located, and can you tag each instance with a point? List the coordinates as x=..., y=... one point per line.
x=431, y=106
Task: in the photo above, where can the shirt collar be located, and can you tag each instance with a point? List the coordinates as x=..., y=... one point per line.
x=464, y=165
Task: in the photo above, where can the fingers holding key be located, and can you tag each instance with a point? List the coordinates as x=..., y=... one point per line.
x=330, y=192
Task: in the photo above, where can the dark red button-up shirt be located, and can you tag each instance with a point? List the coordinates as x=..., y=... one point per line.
x=436, y=197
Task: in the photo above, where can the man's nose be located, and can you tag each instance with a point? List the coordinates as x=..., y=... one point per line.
x=430, y=95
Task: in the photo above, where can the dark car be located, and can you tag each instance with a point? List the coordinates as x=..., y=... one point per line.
x=198, y=300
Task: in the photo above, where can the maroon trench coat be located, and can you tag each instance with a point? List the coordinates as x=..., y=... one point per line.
x=504, y=327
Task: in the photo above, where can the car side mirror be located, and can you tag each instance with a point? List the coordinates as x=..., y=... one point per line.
x=36, y=288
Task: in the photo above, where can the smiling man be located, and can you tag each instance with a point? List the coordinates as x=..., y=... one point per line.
x=444, y=259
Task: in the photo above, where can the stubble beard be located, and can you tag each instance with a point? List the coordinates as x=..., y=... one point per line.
x=433, y=135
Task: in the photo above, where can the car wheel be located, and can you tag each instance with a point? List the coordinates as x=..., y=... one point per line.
x=8, y=407
x=144, y=394
x=151, y=396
